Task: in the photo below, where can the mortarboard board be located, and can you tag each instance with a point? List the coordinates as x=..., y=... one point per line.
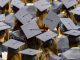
x=69, y=3
x=52, y=20
x=72, y=54
x=75, y=10
x=30, y=51
x=68, y=23
x=56, y=5
x=23, y=15
x=17, y=3
x=3, y=2
x=32, y=10
x=46, y=36
x=2, y=17
x=72, y=32
x=4, y=26
x=11, y=43
x=31, y=29
x=42, y=5
x=10, y=19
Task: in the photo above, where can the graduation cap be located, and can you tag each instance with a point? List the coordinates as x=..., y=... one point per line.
x=72, y=32
x=23, y=15
x=4, y=26
x=31, y=29
x=2, y=17
x=30, y=51
x=75, y=11
x=11, y=43
x=56, y=5
x=72, y=54
x=68, y=23
x=3, y=2
x=42, y=5
x=46, y=36
x=17, y=3
x=32, y=10
x=52, y=20
x=10, y=19
x=69, y=3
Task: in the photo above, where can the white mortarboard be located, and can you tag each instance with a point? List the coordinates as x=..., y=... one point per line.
x=72, y=54
x=31, y=29
x=69, y=3
x=42, y=5
x=2, y=17
x=75, y=11
x=30, y=52
x=68, y=23
x=13, y=44
x=52, y=20
x=23, y=15
x=56, y=5
x=4, y=26
x=32, y=10
x=17, y=3
x=63, y=42
x=46, y=36
x=72, y=32
x=3, y=2
x=10, y=19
